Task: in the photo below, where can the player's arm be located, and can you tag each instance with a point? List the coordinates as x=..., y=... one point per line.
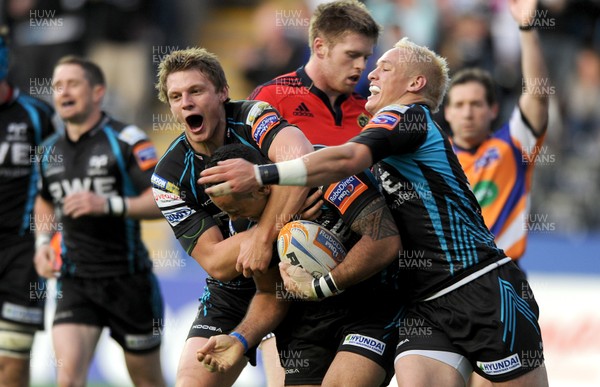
x=264, y=313
x=218, y=255
x=283, y=202
x=45, y=222
x=534, y=100
x=142, y=206
x=378, y=247
x=314, y=169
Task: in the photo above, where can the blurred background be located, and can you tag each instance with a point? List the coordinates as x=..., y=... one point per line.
x=257, y=40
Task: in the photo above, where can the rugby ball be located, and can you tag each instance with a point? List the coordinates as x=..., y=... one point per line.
x=311, y=246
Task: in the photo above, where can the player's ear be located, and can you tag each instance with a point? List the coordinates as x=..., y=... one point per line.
x=98, y=92
x=320, y=47
x=264, y=190
x=224, y=94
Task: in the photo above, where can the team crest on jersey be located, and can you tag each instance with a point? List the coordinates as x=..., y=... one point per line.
x=362, y=120
x=344, y=193
x=263, y=126
x=386, y=120
x=488, y=157
x=145, y=154
x=256, y=111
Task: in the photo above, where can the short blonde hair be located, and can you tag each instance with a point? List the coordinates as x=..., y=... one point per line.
x=430, y=65
x=190, y=59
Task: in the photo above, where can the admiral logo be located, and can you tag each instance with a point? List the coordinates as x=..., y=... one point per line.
x=263, y=126
x=344, y=192
x=501, y=366
x=365, y=342
x=174, y=217
x=302, y=111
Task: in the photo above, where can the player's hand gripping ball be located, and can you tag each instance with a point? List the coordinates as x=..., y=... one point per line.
x=311, y=246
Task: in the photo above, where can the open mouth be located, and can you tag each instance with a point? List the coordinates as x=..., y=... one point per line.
x=374, y=90
x=194, y=121
x=354, y=78
x=67, y=103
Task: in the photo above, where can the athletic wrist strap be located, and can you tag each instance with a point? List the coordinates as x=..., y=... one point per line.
x=241, y=338
x=42, y=240
x=325, y=286
x=291, y=172
x=116, y=206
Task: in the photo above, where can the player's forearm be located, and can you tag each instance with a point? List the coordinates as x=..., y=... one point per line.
x=318, y=168
x=44, y=218
x=366, y=258
x=218, y=259
x=264, y=315
x=142, y=206
x=536, y=92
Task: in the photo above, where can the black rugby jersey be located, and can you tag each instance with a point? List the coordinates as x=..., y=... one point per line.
x=183, y=203
x=24, y=123
x=443, y=233
x=344, y=201
x=111, y=159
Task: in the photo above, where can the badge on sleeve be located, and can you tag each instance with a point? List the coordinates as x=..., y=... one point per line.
x=145, y=155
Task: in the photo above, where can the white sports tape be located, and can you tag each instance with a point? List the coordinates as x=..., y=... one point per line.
x=15, y=340
x=292, y=172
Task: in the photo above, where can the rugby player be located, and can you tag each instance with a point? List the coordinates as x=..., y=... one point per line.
x=459, y=286
x=349, y=338
x=99, y=188
x=193, y=84
x=24, y=123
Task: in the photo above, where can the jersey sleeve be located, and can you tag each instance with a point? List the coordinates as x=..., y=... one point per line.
x=142, y=157
x=263, y=123
x=522, y=136
x=350, y=195
x=185, y=216
x=394, y=130
x=263, y=93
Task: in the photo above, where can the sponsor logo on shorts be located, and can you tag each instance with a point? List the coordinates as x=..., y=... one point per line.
x=501, y=366
x=141, y=342
x=263, y=126
x=207, y=328
x=365, y=342
x=22, y=314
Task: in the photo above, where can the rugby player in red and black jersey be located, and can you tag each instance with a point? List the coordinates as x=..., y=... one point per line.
x=319, y=97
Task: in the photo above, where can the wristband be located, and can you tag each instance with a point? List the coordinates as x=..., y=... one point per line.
x=325, y=286
x=116, y=206
x=241, y=338
x=527, y=27
x=42, y=240
x=266, y=174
